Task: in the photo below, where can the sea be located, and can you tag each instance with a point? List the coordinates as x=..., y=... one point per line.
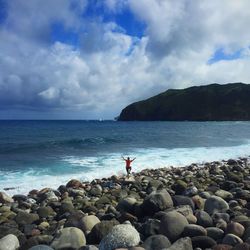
x=37, y=154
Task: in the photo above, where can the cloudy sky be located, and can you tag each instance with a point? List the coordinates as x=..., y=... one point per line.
x=87, y=59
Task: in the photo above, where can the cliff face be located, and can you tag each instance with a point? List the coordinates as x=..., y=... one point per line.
x=214, y=102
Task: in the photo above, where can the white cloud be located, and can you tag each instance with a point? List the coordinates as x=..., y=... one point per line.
x=110, y=69
x=50, y=93
x=115, y=5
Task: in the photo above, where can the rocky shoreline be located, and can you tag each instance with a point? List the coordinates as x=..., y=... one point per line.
x=192, y=207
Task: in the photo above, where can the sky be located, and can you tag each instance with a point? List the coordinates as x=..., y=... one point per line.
x=88, y=59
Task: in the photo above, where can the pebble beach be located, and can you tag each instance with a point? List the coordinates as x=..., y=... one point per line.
x=182, y=208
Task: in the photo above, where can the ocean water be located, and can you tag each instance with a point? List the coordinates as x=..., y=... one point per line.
x=37, y=154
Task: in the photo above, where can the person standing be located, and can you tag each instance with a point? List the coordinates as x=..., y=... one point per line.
x=128, y=164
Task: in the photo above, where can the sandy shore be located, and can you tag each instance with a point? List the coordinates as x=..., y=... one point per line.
x=206, y=207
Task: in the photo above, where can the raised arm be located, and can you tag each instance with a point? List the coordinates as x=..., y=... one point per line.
x=134, y=159
x=123, y=158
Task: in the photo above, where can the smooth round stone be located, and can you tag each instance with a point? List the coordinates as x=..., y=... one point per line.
x=224, y=194
x=9, y=215
x=204, y=219
x=120, y=236
x=172, y=225
x=156, y=242
x=154, y=184
x=217, y=216
x=212, y=188
x=232, y=162
x=179, y=186
x=240, y=218
x=4, y=198
x=40, y=247
x=238, y=208
x=233, y=203
x=221, y=224
x=31, y=201
x=19, y=197
x=66, y=207
x=126, y=204
x=232, y=240
x=74, y=219
x=96, y=190
x=194, y=230
x=43, y=225
x=24, y=218
x=49, y=195
x=243, y=194
x=88, y=222
x=11, y=229
x=191, y=191
x=9, y=242
x=127, y=217
x=204, y=195
x=157, y=201
x=183, y=200
x=150, y=227
x=181, y=244
x=228, y=185
x=235, y=228
x=191, y=219
x=45, y=212
x=38, y=239
x=198, y=201
x=215, y=204
x=215, y=233
x=203, y=242
x=100, y=230
x=119, y=193
x=222, y=247
x=102, y=202
x=73, y=184
x=69, y=237
x=4, y=209
x=76, y=192
x=129, y=180
x=185, y=210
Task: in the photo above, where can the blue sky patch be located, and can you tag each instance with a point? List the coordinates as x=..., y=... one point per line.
x=3, y=11
x=130, y=23
x=97, y=12
x=125, y=18
x=220, y=55
x=60, y=34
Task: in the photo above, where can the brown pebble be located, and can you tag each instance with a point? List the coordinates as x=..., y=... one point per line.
x=222, y=247
x=198, y=201
x=235, y=228
x=35, y=232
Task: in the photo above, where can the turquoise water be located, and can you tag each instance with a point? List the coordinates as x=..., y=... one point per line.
x=35, y=154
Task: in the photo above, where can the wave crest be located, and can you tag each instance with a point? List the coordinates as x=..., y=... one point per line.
x=67, y=143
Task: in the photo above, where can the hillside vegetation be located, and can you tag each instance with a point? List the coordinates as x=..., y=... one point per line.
x=212, y=102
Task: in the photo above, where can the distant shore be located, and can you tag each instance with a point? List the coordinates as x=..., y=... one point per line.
x=194, y=206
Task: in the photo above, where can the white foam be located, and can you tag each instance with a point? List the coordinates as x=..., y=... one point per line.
x=22, y=183
x=88, y=168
